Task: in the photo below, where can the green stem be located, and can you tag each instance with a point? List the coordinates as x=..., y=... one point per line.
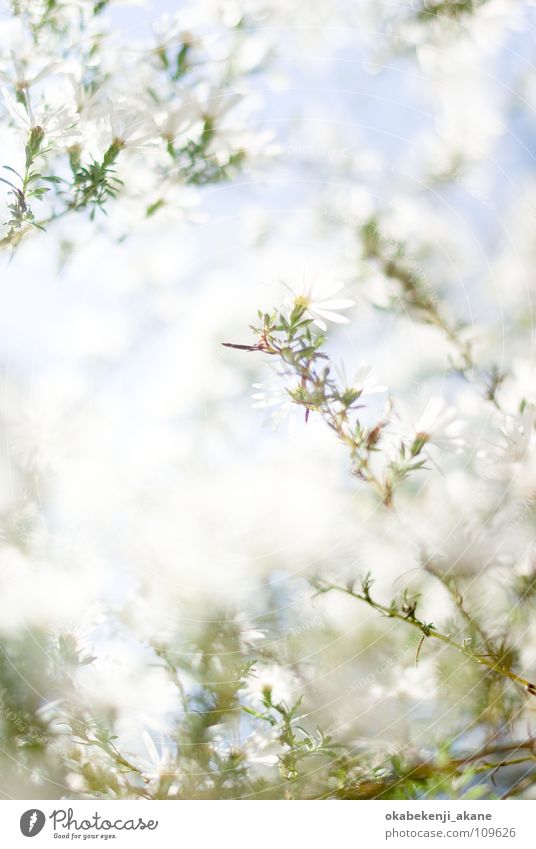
x=431, y=631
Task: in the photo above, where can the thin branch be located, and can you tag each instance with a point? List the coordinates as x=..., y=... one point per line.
x=428, y=630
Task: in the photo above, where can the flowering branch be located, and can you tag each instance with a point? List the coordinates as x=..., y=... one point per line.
x=19, y=208
x=172, y=113
x=406, y=612
x=290, y=336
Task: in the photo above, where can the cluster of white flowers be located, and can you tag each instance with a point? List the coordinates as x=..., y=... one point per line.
x=140, y=120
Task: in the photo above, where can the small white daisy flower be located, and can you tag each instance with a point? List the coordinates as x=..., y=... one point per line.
x=271, y=681
x=178, y=120
x=439, y=424
x=128, y=129
x=517, y=439
x=53, y=121
x=518, y=434
x=275, y=398
x=25, y=75
x=364, y=381
x=158, y=761
x=320, y=306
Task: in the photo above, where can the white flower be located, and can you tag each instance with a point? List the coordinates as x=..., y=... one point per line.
x=439, y=424
x=128, y=129
x=519, y=434
x=320, y=306
x=217, y=103
x=87, y=101
x=518, y=437
x=25, y=77
x=364, y=381
x=273, y=682
x=177, y=120
x=158, y=762
x=53, y=121
x=275, y=397
x=168, y=30
x=519, y=384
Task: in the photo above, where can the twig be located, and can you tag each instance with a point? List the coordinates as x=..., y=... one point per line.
x=429, y=630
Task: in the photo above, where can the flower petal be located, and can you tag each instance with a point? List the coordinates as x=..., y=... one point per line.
x=337, y=304
x=330, y=316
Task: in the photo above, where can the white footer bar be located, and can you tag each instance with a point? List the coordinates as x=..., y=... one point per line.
x=267, y=825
